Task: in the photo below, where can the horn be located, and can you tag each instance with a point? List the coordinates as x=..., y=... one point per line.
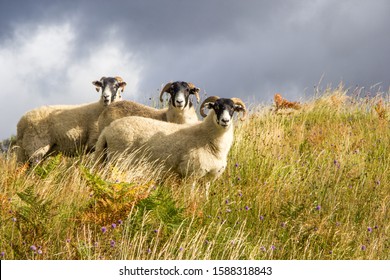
x=208, y=99
x=195, y=91
x=119, y=79
x=238, y=101
x=165, y=88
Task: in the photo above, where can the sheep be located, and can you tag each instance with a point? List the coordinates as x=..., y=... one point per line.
x=198, y=150
x=64, y=128
x=180, y=109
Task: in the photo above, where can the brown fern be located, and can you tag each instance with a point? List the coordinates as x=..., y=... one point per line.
x=282, y=103
x=380, y=109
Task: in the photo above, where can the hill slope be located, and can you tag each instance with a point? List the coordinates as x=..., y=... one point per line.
x=311, y=183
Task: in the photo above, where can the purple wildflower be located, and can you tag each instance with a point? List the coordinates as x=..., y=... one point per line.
x=181, y=249
x=39, y=252
x=318, y=208
x=262, y=248
x=155, y=231
x=104, y=229
x=68, y=240
x=236, y=165
x=377, y=182
x=149, y=251
x=283, y=224
x=363, y=247
x=273, y=247
x=13, y=219
x=2, y=254
x=261, y=218
x=240, y=194
x=336, y=163
x=113, y=225
x=227, y=201
x=112, y=243
x=369, y=229
x=33, y=248
x=120, y=222
x=247, y=208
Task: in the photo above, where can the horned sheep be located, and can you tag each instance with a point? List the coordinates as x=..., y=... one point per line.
x=200, y=149
x=180, y=109
x=64, y=128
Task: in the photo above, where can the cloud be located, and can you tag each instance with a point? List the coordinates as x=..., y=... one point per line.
x=41, y=66
x=249, y=50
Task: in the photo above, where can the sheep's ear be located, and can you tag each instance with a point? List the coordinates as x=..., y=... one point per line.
x=122, y=85
x=209, y=105
x=239, y=108
x=98, y=85
x=195, y=91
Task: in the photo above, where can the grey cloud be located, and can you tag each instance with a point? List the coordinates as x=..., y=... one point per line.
x=228, y=48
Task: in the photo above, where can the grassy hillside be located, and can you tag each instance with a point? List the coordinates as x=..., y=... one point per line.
x=311, y=183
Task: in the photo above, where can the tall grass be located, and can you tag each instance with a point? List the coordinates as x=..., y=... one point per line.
x=306, y=184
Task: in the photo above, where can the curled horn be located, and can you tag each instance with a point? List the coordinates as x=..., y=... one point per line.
x=165, y=89
x=238, y=101
x=194, y=90
x=208, y=99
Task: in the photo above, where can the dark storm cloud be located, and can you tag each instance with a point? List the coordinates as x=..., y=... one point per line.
x=249, y=49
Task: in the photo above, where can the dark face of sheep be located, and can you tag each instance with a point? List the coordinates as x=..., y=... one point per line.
x=180, y=94
x=111, y=89
x=224, y=109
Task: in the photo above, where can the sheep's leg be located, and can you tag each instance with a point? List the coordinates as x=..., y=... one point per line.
x=20, y=154
x=207, y=189
x=36, y=149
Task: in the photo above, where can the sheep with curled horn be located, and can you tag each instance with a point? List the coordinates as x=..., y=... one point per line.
x=69, y=129
x=180, y=109
x=198, y=150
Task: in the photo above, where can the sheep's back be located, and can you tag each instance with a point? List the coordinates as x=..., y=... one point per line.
x=124, y=109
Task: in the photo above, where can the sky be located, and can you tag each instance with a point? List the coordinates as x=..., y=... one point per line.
x=52, y=50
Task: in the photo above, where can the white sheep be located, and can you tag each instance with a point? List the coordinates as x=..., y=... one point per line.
x=68, y=129
x=199, y=149
x=180, y=109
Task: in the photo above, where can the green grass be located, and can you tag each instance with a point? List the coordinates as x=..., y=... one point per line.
x=307, y=184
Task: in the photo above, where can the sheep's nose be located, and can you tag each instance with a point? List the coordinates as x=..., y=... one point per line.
x=225, y=120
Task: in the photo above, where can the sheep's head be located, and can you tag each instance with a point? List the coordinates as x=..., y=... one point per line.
x=111, y=89
x=224, y=109
x=180, y=93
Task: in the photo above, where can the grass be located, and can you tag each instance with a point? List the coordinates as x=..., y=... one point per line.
x=307, y=184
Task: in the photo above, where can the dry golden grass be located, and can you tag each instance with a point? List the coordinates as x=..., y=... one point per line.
x=310, y=185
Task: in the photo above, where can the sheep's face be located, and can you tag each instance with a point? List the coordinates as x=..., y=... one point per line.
x=180, y=93
x=224, y=109
x=111, y=89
